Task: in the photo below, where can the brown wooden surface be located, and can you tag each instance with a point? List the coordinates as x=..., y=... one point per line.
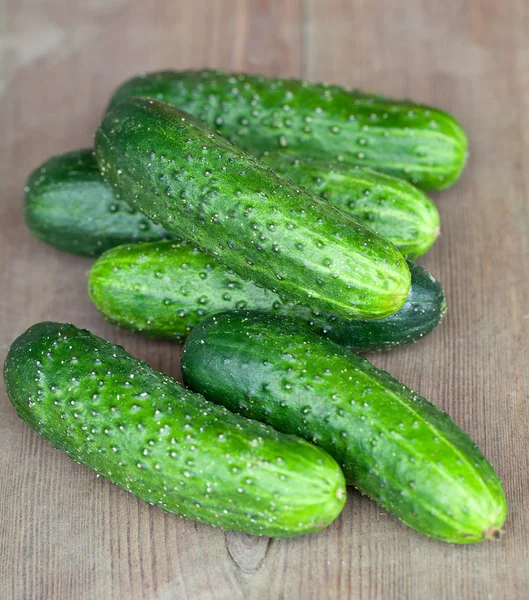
x=65, y=534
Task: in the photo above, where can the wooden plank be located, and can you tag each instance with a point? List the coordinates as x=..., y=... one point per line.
x=471, y=59
x=66, y=534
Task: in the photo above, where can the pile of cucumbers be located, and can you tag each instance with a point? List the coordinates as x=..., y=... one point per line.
x=270, y=224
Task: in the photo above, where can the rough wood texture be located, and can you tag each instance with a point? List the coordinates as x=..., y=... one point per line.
x=65, y=534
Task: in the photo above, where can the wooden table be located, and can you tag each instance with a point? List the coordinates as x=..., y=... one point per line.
x=65, y=534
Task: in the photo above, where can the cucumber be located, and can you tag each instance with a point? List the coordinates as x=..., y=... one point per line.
x=422, y=144
x=69, y=206
x=390, y=206
x=166, y=288
x=392, y=444
x=166, y=445
x=197, y=184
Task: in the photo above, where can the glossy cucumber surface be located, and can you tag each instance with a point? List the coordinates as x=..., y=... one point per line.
x=264, y=227
x=391, y=207
x=420, y=143
x=392, y=444
x=166, y=288
x=166, y=445
x=69, y=206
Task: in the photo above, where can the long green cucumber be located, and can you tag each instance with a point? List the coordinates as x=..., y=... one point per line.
x=199, y=185
x=422, y=144
x=69, y=206
x=166, y=445
x=166, y=288
x=390, y=206
x=391, y=443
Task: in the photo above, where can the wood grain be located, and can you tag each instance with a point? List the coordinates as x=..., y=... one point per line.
x=66, y=534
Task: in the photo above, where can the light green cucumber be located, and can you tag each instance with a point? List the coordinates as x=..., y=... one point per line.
x=166, y=445
x=420, y=143
x=390, y=206
x=70, y=206
x=282, y=237
x=390, y=442
x=166, y=288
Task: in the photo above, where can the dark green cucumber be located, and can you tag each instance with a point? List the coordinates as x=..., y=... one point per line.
x=166, y=288
x=197, y=184
x=390, y=206
x=166, y=445
x=391, y=443
x=422, y=144
x=69, y=206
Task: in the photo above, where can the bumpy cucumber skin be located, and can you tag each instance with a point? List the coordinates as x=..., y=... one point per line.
x=391, y=443
x=69, y=206
x=166, y=288
x=422, y=144
x=197, y=184
x=166, y=445
x=391, y=207
x=422, y=312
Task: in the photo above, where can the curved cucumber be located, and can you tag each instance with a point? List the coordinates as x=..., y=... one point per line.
x=422, y=144
x=205, y=189
x=69, y=206
x=166, y=288
x=168, y=446
x=391, y=207
x=391, y=443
